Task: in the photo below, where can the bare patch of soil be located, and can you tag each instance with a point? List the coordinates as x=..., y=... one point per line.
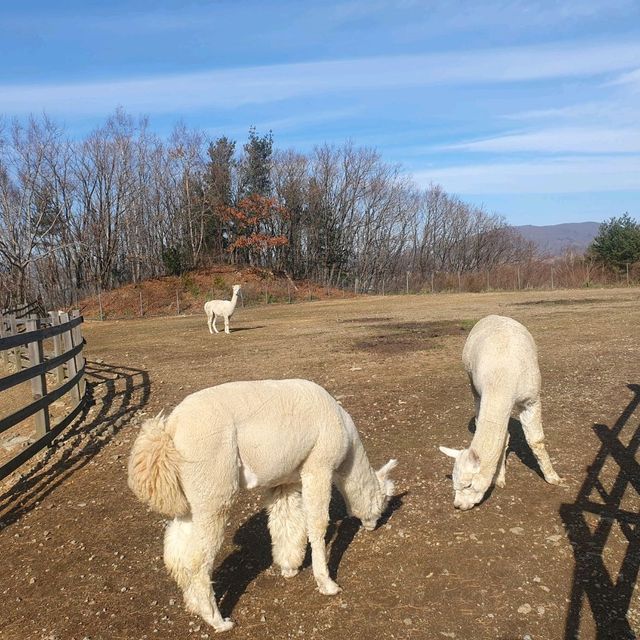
x=402, y=337
x=563, y=301
x=82, y=558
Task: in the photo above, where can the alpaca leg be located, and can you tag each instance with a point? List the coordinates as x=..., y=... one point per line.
x=209, y=321
x=210, y=486
x=531, y=420
x=502, y=465
x=476, y=402
x=287, y=528
x=215, y=329
x=476, y=398
x=316, y=494
x=226, y=324
x=189, y=553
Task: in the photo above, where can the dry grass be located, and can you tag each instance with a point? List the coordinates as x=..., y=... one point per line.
x=83, y=558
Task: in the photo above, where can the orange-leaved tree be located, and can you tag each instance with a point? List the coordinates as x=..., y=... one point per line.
x=258, y=230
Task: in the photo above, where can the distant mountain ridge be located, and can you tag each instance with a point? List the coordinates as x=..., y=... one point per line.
x=556, y=238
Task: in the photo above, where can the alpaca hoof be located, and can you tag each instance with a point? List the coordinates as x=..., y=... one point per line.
x=554, y=479
x=223, y=626
x=328, y=588
x=501, y=484
x=289, y=573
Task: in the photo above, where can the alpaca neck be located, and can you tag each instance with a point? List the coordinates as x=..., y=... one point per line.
x=234, y=299
x=491, y=429
x=359, y=483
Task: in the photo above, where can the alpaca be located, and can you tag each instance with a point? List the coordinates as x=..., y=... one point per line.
x=501, y=360
x=224, y=308
x=289, y=437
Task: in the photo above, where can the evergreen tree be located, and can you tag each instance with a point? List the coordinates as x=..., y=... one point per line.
x=219, y=193
x=617, y=242
x=256, y=165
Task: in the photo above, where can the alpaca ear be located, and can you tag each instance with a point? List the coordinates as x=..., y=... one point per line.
x=384, y=471
x=452, y=453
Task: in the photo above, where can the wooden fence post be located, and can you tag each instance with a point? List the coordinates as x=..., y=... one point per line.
x=54, y=316
x=72, y=369
x=79, y=358
x=17, y=351
x=4, y=333
x=39, y=382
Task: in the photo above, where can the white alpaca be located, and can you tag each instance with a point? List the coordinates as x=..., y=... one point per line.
x=288, y=436
x=224, y=308
x=501, y=359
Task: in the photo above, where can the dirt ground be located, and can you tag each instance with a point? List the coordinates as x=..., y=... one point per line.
x=81, y=558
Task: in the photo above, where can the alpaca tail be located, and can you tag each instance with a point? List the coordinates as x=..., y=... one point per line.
x=154, y=466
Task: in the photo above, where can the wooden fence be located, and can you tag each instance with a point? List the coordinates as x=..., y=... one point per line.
x=22, y=345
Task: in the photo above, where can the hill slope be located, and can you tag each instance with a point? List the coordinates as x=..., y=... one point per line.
x=555, y=238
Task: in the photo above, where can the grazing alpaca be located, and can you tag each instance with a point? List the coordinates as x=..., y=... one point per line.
x=501, y=359
x=224, y=308
x=287, y=436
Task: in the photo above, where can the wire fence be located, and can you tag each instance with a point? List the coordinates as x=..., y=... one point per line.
x=187, y=294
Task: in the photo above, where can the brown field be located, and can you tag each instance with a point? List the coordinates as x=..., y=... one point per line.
x=83, y=559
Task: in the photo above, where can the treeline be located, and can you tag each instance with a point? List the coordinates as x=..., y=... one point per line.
x=122, y=205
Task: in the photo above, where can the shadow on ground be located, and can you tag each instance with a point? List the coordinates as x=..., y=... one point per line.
x=517, y=445
x=117, y=392
x=612, y=482
x=253, y=553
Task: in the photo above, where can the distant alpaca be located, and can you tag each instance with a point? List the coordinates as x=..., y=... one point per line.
x=224, y=308
x=288, y=436
x=501, y=359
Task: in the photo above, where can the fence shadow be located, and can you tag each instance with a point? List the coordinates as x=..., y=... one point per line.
x=117, y=392
x=607, y=595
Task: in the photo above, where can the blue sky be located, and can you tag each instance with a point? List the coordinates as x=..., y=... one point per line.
x=531, y=109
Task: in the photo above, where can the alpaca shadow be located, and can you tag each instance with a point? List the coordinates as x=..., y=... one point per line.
x=342, y=528
x=117, y=392
x=253, y=555
x=517, y=444
x=238, y=329
x=607, y=503
x=241, y=567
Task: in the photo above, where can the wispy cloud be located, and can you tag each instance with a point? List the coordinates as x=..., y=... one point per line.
x=561, y=175
x=559, y=140
x=229, y=88
x=630, y=78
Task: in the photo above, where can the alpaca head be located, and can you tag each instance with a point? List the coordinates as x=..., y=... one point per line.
x=381, y=500
x=236, y=288
x=468, y=484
